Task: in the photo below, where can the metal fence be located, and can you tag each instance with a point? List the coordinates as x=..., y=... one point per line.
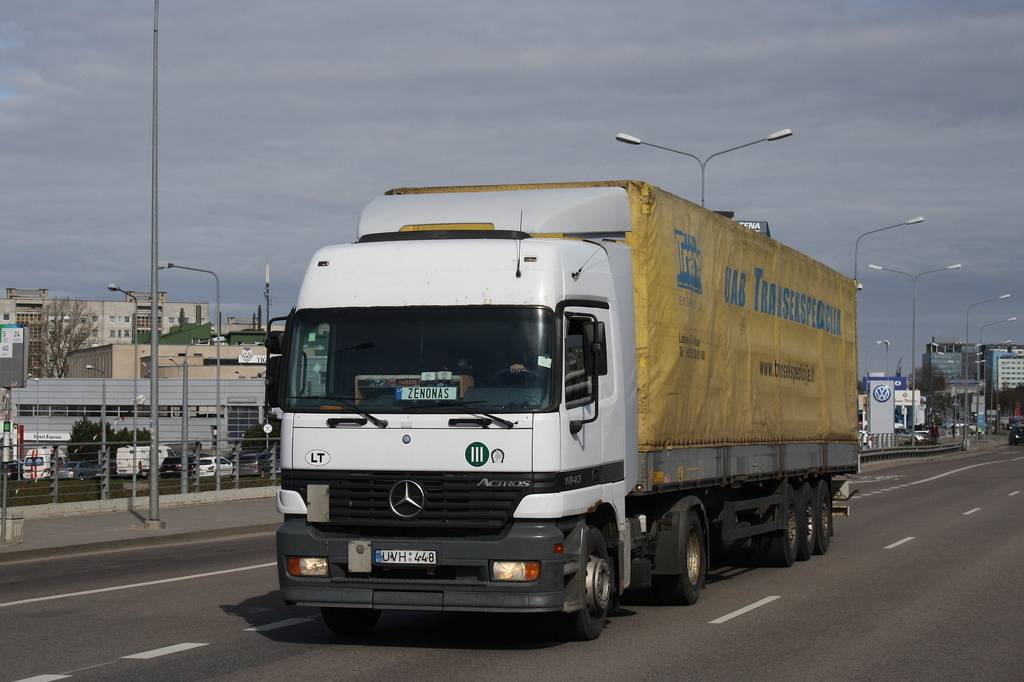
x=35, y=476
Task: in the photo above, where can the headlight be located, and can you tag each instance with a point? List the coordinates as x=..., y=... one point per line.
x=515, y=571
x=307, y=567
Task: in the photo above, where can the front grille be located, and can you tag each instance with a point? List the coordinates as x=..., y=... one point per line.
x=456, y=504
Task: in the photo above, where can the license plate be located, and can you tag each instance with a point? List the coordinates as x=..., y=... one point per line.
x=427, y=393
x=404, y=556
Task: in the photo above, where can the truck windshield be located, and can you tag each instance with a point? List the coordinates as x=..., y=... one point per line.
x=369, y=360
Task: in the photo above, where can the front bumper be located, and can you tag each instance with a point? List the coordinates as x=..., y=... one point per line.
x=459, y=582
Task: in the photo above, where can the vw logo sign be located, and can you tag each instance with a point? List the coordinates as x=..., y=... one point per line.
x=882, y=393
x=407, y=499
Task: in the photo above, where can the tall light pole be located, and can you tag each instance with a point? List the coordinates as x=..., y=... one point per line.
x=104, y=457
x=886, y=342
x=630, y=139
x=856, y=245
x=912, y=384
x=216, y=279
x=986, y=376
x=135, y=359
x=154, y=314
x=967, y=336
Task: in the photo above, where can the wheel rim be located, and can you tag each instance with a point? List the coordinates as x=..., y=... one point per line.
x=693, y=557
x=809, y=517
x=791, y=527
x=824, y=517
x=599, y=584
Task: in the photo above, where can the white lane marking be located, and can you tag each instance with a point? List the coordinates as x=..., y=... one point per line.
x=134, y=585
x=971, y=511
x=279, y=624
x=1015, y=492
x=956, y=471
x=43, y=678
x=745, y=609
x=897, y=544
x=163, y=651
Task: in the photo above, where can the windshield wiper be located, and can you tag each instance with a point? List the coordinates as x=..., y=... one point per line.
x=348, y=402
x=464, y=407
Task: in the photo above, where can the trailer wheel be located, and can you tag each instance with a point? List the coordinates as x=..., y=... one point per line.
x=588, y=622
x=683, y=589
x=351, y=622
x=780, y=547
x=808, y=519
x=823, y=512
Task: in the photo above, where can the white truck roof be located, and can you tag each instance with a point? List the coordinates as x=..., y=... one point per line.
x=577, y=211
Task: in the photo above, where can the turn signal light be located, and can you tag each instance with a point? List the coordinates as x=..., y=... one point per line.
x=307, y=567
x=515, y=571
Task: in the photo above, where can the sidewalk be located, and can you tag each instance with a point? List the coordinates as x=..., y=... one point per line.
x=59, y=536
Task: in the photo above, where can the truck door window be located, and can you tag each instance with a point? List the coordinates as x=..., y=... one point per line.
x=579, y=385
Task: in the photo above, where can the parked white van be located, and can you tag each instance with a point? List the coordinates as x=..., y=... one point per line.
x=135, y=460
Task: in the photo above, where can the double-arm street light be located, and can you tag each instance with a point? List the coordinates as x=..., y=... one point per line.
x=988, y=373
x=856, y=245
x=216, y=279
x=967, y=336
x=886, y=342
x=630, y=139
x=913, y=325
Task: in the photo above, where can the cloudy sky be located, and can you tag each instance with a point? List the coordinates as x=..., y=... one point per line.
x=279, y=121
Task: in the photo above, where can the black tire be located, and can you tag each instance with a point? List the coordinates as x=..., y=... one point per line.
x=780, y=547
x=587, y=623
x=808, y=522
x=349, y=622
x=683, y=589
x=823, y=513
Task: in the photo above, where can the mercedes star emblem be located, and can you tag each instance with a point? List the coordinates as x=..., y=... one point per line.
x=407, y=498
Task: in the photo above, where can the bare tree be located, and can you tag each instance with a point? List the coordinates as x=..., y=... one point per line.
x=65, y=326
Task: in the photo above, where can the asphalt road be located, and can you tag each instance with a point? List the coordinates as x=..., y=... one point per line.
x=923, y=581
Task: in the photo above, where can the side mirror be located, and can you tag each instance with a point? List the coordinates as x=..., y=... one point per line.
x=274, y=342
x=595, y=357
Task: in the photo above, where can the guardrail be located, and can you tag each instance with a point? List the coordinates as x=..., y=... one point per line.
x=909, y=451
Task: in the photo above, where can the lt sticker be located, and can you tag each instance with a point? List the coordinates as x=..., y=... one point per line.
x=317, y=458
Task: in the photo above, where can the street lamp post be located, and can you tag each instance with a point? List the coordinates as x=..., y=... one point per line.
x=912, y=384
x=886, y=342
x=135, y=360
x=104, y=456
x=630, y=139
x=856, y=245
x=967, y=336
x=986, y=377
x=217, y=281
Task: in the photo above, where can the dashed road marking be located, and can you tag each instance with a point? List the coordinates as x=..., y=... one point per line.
x=898, y=543
x=971, y=511
x=164, y=651
x=279, y=624
x=745, y=609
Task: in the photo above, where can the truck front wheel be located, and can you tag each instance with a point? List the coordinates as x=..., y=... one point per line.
x=588, y=622
x=351, y=622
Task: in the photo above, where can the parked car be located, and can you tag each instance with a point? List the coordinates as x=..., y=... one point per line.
x=12, y=470
x=80, y=470
x=248, y=464
x=905, y=435
x=1017, y=434
x=172, y=466
x=208, y=466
